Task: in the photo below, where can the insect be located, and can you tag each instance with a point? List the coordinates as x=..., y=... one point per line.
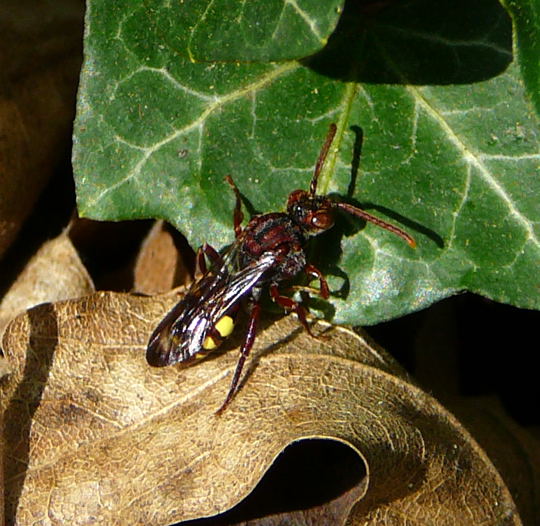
x=269, y=250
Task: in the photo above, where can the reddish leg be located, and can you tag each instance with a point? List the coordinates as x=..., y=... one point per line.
x=291, y=305
x=212, y=254
x=200, y=263
x=244, y=353
x=238, y=216
x=324, y=291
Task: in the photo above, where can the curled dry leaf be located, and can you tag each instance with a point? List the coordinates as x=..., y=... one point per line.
x=513, y=450
x=55, y=272
x=38, y=83
x=160, y=266
x=94, y=435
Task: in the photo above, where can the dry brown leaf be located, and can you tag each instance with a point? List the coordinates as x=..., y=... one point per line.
x=109, y=440
x=159, y=266
x=54, y=273
x=38, y=81
x=514, y=451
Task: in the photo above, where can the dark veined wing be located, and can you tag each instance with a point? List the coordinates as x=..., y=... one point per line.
x=181, y=334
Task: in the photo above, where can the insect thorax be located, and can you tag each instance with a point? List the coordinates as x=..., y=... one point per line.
x=276, y=233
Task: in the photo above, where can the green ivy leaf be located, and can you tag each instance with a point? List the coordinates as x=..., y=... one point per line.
x=221, y=30
x=526, y=18
x=450, y=147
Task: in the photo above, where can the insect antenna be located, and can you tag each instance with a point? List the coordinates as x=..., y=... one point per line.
x=322, y=157
x=358, y=212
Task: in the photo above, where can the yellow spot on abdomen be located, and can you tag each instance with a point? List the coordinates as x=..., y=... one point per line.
x=225, y=327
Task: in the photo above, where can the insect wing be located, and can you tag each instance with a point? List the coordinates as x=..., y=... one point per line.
x=165, y=344
x=240, y=283
x=181, y=334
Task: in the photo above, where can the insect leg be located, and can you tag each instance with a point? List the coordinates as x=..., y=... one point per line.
x=244, y=353
x=212, y=254
x=238, y=216
x=200, y=263
x=291, y=305
x=310, y=270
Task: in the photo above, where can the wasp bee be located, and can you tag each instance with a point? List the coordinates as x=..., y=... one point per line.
x=269, y=250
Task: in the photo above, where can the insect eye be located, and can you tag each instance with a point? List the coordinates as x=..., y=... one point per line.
x=322, y=220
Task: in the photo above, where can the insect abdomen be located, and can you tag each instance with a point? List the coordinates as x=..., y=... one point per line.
x=221, y=330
